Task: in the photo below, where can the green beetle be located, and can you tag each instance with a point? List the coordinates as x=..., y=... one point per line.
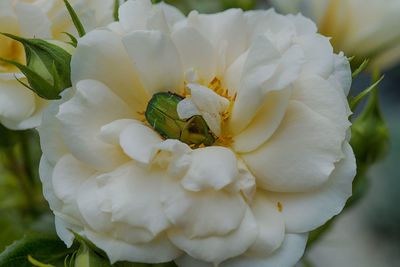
x=162, y=115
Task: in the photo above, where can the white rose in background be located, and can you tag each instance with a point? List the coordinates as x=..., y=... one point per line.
x=365, y=28
x=268, y=86
x=21, y=108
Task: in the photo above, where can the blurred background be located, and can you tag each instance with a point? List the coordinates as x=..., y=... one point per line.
x=368, y=233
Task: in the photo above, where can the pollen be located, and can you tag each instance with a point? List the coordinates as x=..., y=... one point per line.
x=225, y=140
x=215, y=84
x=279, y=206
x=141, y=113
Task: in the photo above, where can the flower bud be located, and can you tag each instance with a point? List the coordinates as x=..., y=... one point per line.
x=370, y=136
x=47, y=66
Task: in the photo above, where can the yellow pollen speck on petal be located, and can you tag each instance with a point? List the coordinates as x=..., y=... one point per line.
x=279, y=206
x=141, y=113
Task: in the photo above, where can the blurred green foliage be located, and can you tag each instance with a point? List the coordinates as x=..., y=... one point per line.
x=210, y=6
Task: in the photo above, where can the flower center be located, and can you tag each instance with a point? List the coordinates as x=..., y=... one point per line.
x=13, y=50
x=161, y=113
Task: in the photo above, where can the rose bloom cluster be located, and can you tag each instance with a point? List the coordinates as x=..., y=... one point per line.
x=20, y=108
x=270, y=89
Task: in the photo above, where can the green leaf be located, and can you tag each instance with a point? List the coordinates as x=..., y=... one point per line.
x=363, y=65
x=356, y=100
x=11, y=228
x=75, y=19
x=47, y=66
x=42, y=247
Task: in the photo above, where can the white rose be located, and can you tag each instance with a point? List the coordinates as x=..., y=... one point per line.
x=20, y=108
x=281, y=166
x=366, y=28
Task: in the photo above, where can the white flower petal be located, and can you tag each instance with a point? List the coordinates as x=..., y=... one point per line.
x=342, y=73
x=212, y=167
x=50, y=132
x=233, y=74
x=89, y=200
x=36, y=118
x=133, y=14
x=172, y=14
x=157, y=251
x=187, y=261
x=300, y=155
x=196, y=52
x=279, y=29
x=318, y=54
x=216, y=249
x=92, y=59
x=246, y=182
x=63, y=230
x=138, y=141
x=92, y=106
x=260, y=65
x=46, y=174
x=221, y=29
x=132, y=190
x=186, y=109
x=306, y=211
x=324, y=98
x=110, y=133
x=271, y=225
x=68, y=175
x=265, y=122
x=156, y=60
x=173, y=155
x=288, y=70
x=33, y=22
x=202, y=214
x=289, y=253
x=17, y=103
x=303, y=24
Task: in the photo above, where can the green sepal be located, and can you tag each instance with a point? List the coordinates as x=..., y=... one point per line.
x=47, y=67
x=75, y=19
x=74, y=41
x=37, y=263
x=116, y=9
x=360, y=68
x=87, y=255
x=356, y=100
